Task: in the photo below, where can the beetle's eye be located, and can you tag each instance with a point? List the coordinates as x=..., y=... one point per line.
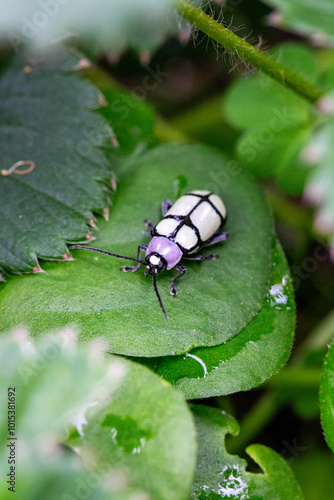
x=155, y=260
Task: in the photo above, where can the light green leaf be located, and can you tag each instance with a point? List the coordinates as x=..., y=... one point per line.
x=216, y=298
x=261, y=101
x=61, y=390
x=144, y=429
x=320, y=183
x=313, y=18
x=46, y=117
x=249, y=358
x=104, y=25
x=327, y=397
x=49, y=384
x=263, y=151
x=220, y=475
x=277, y=123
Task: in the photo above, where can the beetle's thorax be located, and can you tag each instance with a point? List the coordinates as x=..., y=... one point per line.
x=164, y=248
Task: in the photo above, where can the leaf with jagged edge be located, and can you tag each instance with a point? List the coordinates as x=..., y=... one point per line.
x=216, y=298
x=249, y=358
x=46, y=117
x=219, y=474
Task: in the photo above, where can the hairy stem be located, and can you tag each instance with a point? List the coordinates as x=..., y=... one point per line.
x=247, y=52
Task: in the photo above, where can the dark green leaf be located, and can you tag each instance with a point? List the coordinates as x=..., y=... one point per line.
x=216, y=298
x=316, y=461
x=249, y=358
x=46, y=117
x=219, y=474
x=131, y=118
x=327, y=397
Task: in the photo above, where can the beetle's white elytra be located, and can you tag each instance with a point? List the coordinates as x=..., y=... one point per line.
x=206, y=220
x=186, y=237
x=201, y=193
x=192, y=220
x=167, y=226
x=217, y=202
x=183, y=205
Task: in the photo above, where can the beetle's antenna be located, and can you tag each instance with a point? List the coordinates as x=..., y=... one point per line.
x=154, y=279
x=108, y=253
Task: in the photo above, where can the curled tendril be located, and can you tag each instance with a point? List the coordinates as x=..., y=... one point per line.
x=15, y=168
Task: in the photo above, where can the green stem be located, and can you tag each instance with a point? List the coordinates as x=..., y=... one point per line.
x=271, y=402
x=246, y=51
x=296, y=378
x=319, y=338
x=255, y=420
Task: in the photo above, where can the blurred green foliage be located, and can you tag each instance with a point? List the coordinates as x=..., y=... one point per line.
x=173, y=92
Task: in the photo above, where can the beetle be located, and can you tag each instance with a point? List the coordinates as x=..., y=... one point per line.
x=193, y=222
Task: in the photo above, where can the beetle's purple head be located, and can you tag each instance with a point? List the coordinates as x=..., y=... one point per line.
x=161, y=253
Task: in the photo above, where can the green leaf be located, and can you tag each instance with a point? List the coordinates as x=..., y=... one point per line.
x=263, y=151
x=46, y=117
x=327, y=397
x=104, y=26
x=249, y=358
x=69, y=392
x=316, y=461
x=282, y=137
x=144, y=429
x=312, y=18
x=220, y=474
x=261, y=101
x=320, y=183
x=216, y=298
x=276, y=122
x=50, y=383
x=132, y=120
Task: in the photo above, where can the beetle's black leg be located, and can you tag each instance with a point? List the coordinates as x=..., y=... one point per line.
x=217, y=239
x=181, y=268
x=134, y=268
x=212, y=256
x=166, y=204
x=149, y=227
